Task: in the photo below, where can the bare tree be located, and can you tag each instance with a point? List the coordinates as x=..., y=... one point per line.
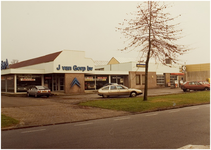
x=14, y=61
x=152, y=31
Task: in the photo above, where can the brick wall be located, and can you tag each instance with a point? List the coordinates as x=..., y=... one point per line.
x=152, y=83
x=68, y=80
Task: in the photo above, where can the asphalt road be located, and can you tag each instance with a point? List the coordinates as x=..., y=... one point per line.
x=164, y=129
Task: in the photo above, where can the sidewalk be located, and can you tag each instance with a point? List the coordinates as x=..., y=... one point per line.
x=60, y=109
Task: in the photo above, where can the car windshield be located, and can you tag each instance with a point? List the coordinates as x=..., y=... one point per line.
x=105, y=88
x=120, y=87
x=112, y=87
x=124, y=87
x=41, y=87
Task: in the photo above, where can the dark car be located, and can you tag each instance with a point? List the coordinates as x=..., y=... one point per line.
x=38, y=91
x=195, y=85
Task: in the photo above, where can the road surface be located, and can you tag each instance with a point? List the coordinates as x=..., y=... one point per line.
x=163, y=129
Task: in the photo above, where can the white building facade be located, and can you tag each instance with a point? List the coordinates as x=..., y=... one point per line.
x=71, y=72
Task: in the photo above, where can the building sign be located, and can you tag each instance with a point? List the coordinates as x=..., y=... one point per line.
x=74, y=68
x=182, y=68
x=9, y=78
x=4, y=65
x=89, y=79
x=140, y=65
x=116, y=77
x=75, y=82
x=101, y=78
x=27, y=79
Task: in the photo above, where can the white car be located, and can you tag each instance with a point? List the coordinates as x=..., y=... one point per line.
x=118, y=90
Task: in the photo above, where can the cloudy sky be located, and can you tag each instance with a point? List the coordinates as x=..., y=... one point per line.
x=32, y=29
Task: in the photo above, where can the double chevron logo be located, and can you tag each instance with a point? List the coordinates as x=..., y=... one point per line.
x=75, y=82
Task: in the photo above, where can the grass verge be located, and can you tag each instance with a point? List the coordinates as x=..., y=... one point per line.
x=153, y=103
x=7, y=121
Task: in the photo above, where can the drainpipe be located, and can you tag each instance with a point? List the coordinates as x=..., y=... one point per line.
x=52, y=84
x=109, y=79
x=15, y=83
x=95, y=82
x=42, y=80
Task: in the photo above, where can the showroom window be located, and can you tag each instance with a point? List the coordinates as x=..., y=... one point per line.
x=25, y=81
x=7, y=83
x=143, y=79
x=138, y=80
x=3, y=83
x=90, y=83
x=93, y=82
x=10, y=83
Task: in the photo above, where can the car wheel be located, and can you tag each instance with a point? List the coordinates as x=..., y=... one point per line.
x=133, y=94
x=105, y=96
x=47, y=95
x=35, y=95
x=206, y=89
x=184, y=90
x=28, y=94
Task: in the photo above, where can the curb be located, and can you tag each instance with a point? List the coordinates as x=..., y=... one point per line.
x=195, y=147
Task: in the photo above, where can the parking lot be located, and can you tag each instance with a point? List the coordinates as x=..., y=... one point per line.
x=40, y=111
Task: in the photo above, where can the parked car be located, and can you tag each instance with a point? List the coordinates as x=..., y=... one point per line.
x=195, y=85
x=38, y=91
x=118, y=90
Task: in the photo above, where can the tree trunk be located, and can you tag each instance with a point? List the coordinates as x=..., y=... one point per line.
x=148, y=56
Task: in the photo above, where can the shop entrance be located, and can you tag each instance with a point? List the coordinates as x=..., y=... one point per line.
x=55, y=82
x=117, y=79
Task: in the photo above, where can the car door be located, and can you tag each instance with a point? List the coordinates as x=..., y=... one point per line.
x=33, y=90
x=122, y=90
x=105, y=90
x=199, y=86
x=191, y=86
x=113, y=91
x=30, y=90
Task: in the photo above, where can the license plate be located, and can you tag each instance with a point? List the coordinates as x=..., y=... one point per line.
x=44, y=91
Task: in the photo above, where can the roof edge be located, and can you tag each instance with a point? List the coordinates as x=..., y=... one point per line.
x=35, y=61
